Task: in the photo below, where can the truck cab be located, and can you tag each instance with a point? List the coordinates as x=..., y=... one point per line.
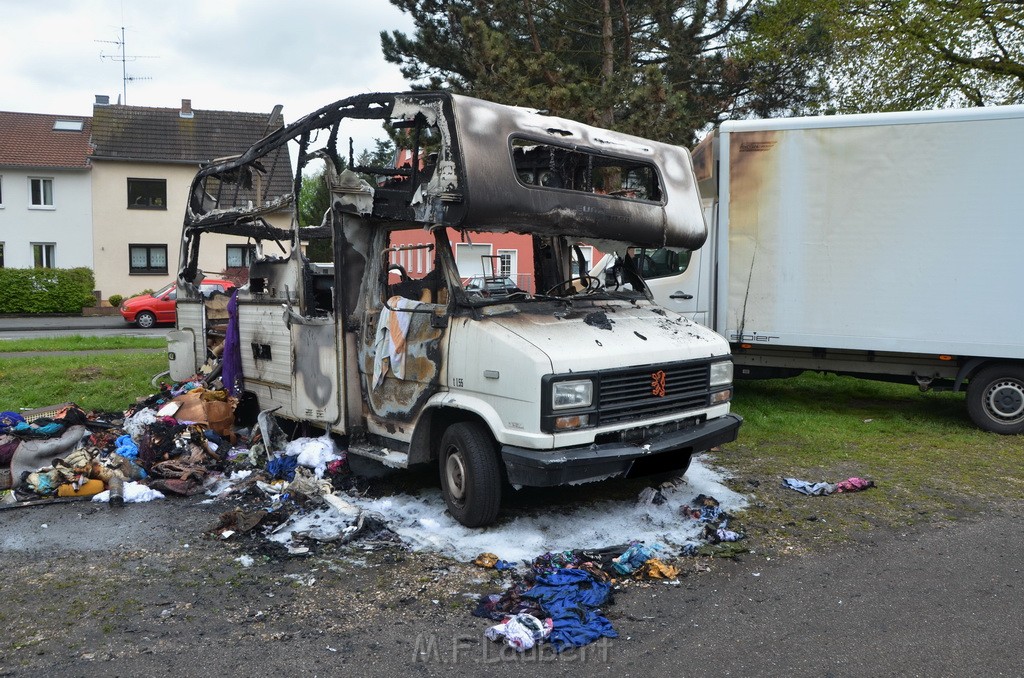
x=365, y=327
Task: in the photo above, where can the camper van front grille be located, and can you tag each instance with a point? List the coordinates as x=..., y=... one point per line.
x=640, y=393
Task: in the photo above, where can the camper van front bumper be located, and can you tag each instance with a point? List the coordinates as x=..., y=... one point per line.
x=546, y=468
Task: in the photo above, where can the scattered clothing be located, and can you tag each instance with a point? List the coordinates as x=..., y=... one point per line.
x=392, y=328
x=231, y=358
x=705, y=509
x=808, y=488
x=521, y=631
x=9, y=420
x=126, y=447
x=282, y=467
x=854, y=485
x=656, y=569
x=634, y=557
x=823, y=488
x=572, y=598
x=723, y=533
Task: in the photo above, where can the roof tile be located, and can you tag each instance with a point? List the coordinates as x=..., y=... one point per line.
x=29, y=140
x=162, y=135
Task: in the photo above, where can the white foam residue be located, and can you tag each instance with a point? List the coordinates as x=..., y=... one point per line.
x=324, y=524
x=423, y=523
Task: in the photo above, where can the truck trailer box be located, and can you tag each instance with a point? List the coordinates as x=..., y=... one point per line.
x=885, y=246
x=875, y=232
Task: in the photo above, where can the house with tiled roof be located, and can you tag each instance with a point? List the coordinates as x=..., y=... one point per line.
x=45, y=191
x=143, y=161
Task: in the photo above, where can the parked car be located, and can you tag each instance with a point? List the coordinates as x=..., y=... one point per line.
x=146, y=310
x=491, y=287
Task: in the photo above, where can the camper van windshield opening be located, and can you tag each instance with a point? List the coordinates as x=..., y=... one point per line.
x=542, y=165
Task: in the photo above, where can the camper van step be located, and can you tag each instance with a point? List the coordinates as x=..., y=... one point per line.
x=390, y=458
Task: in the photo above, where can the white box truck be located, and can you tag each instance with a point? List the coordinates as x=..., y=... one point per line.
x=364, y=327
x=886, y=246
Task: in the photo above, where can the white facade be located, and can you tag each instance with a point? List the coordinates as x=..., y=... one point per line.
x=122, y=229
x=57, y=230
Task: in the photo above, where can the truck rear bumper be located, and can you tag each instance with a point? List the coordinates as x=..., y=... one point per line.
x=546, y=468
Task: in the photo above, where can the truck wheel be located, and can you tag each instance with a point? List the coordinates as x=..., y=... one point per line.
x=470, y=475
x=145, y=320
x=995, y=399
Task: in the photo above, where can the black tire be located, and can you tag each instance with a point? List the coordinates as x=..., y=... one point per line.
x=470, y=474
x=995, y=399
x=145, y=320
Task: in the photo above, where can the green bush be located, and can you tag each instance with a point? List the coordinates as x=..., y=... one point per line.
x=46, y=290
x=115, y=300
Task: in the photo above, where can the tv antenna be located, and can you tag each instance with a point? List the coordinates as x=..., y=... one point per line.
x=123, y=57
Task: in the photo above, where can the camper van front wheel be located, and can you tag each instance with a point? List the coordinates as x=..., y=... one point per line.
x=470, y=475
x=995, y=399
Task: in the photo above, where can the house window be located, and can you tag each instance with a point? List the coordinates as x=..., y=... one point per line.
x=41, y=191
x=147, y=194
x=43, y=254
x=67, y=125
x=147, y=259
x=1, y=255
x=1, y=192
x=240, y=256
x=507, y=263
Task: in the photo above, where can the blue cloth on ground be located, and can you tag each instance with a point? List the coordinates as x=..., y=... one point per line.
x=710, y=514
x=9, y=420
x=572, y=599
x=635, y=556
x=282, y=466
x=126, y=447
x=27, y=430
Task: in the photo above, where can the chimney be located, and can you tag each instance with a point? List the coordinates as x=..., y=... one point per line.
x=102, y=100
x=186, y=109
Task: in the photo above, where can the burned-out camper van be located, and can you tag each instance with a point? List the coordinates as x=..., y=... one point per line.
x=570, y=379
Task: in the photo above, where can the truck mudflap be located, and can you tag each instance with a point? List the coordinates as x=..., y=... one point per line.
x=547, y=468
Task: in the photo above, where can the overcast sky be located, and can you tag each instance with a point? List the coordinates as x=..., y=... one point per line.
x=241, y=55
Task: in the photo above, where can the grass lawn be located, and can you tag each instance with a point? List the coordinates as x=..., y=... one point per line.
x=928, y=460
x=107, y=382
x=79, y=343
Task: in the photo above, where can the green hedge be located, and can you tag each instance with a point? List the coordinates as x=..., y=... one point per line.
x=46, y=290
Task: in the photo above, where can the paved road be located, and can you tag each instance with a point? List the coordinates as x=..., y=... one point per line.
x=935, y=600
x=33, y=327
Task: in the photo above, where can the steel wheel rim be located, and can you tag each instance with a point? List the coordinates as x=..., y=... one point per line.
x=1004, y=400
x=455, y=475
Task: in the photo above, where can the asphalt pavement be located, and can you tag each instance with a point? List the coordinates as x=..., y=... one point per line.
x=930, y=600
x=25, y=327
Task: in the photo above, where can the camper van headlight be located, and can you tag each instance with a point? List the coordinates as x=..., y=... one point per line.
x=721, y=373
x=570, y=394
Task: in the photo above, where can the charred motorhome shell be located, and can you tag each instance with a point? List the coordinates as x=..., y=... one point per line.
x=417, y=371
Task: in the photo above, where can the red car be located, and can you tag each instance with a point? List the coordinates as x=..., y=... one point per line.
x=146, y=310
